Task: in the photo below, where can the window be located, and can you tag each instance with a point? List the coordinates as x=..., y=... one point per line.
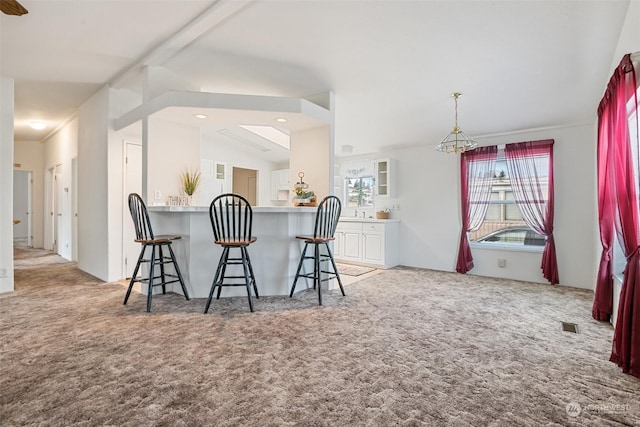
x=618, y=258
x=503, y=223
x=359, y=192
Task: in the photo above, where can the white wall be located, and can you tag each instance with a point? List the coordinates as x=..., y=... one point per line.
x=428, y=193
x=173, y=148
x=216, y=148
x=629, y=41
x=310, y=153
x=575, y=223
x=6, y=184
x=59, y=150
x=30, y=156
x=94, y=209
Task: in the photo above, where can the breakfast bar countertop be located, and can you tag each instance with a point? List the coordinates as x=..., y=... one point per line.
x=354, y=219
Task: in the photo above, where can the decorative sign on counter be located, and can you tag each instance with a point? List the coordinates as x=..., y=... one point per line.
x=304, y=197
x=179, y=201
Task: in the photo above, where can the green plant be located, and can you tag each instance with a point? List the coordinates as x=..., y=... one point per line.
x=190, y=181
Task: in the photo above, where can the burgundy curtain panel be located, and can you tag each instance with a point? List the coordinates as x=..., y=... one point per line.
x=618, y=205
x=476, y=177
x=530, y=167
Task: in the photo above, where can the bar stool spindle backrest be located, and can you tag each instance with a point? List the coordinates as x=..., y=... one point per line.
x=140, y=216
x=327, y=217
x=231, y=218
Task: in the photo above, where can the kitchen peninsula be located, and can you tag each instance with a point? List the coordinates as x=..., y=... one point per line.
x=274, y=256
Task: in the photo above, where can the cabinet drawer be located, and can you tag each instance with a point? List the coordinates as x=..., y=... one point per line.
x=368, y=226
x=351, y=226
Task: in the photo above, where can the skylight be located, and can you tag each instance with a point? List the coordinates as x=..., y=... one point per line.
x=274, y=135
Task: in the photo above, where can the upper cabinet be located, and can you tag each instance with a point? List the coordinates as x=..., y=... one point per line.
x=280, y=185
x=385, y=178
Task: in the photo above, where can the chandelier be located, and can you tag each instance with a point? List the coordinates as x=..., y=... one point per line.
x=457, y=141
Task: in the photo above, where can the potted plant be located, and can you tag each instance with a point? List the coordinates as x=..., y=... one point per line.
x=190, y=180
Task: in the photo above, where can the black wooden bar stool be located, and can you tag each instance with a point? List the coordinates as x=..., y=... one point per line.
x=231, y=219
x=327, y=217
x=145, y=236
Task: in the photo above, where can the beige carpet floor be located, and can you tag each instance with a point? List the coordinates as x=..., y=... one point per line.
x=405, y=347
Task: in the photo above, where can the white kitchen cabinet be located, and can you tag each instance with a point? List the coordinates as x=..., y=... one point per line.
x=367, y=242
x=348, y=237
x=373, y=243
x=385, y=178
x=280, y=185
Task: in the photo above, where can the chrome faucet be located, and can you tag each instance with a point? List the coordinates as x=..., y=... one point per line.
x=355, y=213
x=362, y=214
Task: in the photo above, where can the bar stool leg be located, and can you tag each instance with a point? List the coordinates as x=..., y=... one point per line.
x=151, y=273
x=225, y=256
x=253, y=277
x=316, y=272
x=215, y=280
x=304, y=252
x=247, y=279
x=178, y=273
x=335, y=269
x=135, y=273
x=162, y=276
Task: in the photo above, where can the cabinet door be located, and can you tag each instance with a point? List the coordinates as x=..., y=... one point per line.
x=352, y=245
x=283, y=179
x=337, y=244
x=373, y=248
x=280, y=184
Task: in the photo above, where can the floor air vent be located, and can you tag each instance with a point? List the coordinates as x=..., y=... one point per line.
x=569, y=327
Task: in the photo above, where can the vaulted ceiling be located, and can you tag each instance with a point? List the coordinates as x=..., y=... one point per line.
x=391, y=64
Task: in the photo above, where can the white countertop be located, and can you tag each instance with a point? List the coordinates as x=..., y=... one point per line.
x=256, y=209
x=354, y=219
x=265, y=209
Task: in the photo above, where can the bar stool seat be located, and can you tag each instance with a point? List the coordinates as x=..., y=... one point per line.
x=327, y=216
x=145, y=236
x=231, y=220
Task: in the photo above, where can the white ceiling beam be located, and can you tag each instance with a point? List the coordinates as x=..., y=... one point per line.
x=218, y=12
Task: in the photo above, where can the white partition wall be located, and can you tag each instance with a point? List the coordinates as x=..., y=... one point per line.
x=6, y=185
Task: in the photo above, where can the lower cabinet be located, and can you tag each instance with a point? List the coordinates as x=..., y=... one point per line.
x=367, y=243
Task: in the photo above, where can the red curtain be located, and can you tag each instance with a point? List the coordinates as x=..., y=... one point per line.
x=613, y=113
x=476, y=177
x=609, y=130
x=530, y=167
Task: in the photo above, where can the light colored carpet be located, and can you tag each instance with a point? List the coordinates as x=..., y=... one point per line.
x=405, y=347
x=353, y=270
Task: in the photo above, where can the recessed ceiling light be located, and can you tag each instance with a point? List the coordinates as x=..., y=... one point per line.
x=37, y=125
x=200, y=116
x=281, y=119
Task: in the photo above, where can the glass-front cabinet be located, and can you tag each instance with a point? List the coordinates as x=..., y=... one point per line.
x=385, y=179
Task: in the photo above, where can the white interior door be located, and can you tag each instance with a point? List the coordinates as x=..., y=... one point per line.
x=132, y=184
x=30, y=209
x=21, y=207
x=57, y=208
x=74, y=209
x=49, y=233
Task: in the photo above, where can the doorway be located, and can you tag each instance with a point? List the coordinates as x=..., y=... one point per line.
x=74, y=209
x=22, y=181
x=245, y=182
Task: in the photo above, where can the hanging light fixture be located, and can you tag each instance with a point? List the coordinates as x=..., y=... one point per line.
x=457, y=141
